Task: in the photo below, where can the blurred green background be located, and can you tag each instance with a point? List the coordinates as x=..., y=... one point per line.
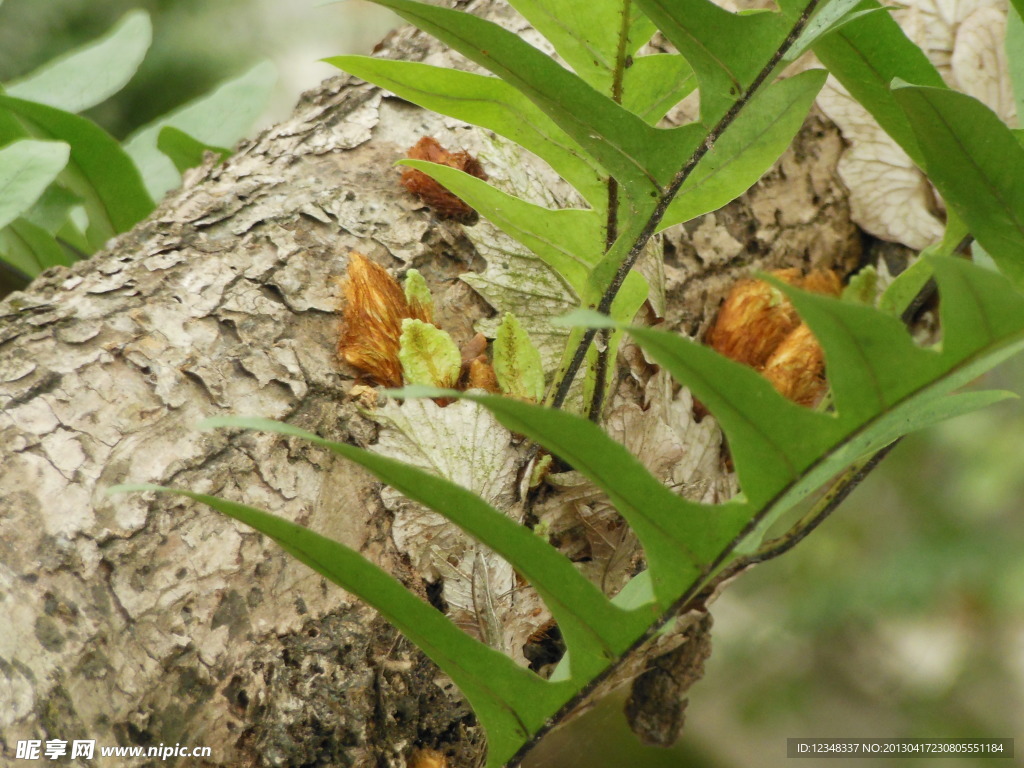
x=902, y=616
x=196, y=45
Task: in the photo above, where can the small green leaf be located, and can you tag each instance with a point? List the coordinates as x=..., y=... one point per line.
x=99, y=170
x=865, y=56
x=976, y=163
x=417, y=293
x=183, y=150
x=27, y=168
x=540, y=470
x=89, y=75
x=219, y=119
x=517, y=362
x=428, y=355
x=862, y=287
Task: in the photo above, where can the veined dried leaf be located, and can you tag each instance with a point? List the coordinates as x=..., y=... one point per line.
x=517, y=281
x=428, y=355
x=864, y=287
x=463, y=443
x=443, y=202
x=374, y=309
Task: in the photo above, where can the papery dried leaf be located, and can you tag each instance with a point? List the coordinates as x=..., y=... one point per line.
x=439, y=199
x=463, y=443
x=374, y=309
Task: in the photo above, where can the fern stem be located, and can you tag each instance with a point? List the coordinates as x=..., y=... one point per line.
x=667, y=195
x=612, y=226
x=826, y=505
x=620, y=52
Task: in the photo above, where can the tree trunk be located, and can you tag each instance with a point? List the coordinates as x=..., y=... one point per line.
x=142, y=620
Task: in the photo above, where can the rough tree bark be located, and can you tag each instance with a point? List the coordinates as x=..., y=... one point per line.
x=141, y=620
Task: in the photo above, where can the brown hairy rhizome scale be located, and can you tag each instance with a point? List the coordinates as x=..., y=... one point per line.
x=757, y=326
x=440, y=200
x=375, y=306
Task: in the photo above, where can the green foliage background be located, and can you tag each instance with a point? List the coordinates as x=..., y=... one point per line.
x=196, y=45
x=901, y=617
